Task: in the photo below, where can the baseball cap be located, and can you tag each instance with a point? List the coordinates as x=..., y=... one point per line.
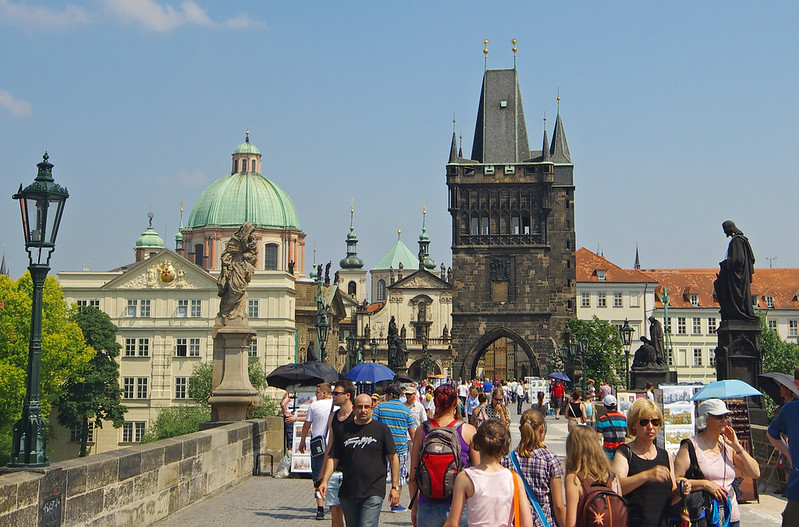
x=609, y=401
x=409, y=390
x=393, y=390
x=710, y=407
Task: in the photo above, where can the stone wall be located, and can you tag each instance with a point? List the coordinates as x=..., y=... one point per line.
x=139, y=485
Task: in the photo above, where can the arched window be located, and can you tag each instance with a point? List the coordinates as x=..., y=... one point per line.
x=270, y=256
x=381, y=290
x=352, y=288
x=253, y=166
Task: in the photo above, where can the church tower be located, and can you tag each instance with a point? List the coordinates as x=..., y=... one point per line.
x=513, y=239
x=352, y=276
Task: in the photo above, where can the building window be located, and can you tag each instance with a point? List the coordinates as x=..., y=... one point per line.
x=253, y=351
x=711, y=325
x=381, y=290
x=670, y=357
x=196, y=308
x=253, y=165
x=697, y=326
x=601, y=275
x=75, y=430
x=130, y=347
x=181, y=347
x=695, y=300
x=515, y=224
x=183, y=308
x=85, y=303
x=667, y=329
x=194, y=347
x=793, y=328
x=585, y=300
x=128, y=384
x=252, y=308
x=144, y=308
x=144, y=347
x=772, y=325
x=617, y=302
x=352, y=288
x=697, y=356
x=270, y=256
x=484, y=225
x=132, y=431
x=134, y=387
x=770, y=302
x=181, y=387
x=712, y=359
x=600, y=300
x=681, y=330
x=131, y=311
x=141, y=388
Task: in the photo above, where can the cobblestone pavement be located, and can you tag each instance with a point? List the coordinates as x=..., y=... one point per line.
x=265, y=500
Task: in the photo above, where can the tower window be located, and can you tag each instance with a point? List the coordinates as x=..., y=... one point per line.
x=199, y=250
x=515, y=225
x=381, y=289
x=484, y=225
x=253, y=166
x=475, y=225
x=352, y=288
x=270, y=256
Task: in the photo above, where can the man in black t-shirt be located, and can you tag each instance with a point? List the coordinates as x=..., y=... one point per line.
x=360, y=448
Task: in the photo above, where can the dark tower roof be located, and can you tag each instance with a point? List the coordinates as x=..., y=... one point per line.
x=453, y=150
x=560, y=147
x=500, y=135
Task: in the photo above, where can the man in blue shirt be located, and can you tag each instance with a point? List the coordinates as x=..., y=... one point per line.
x=394, y=414
x=786, y=425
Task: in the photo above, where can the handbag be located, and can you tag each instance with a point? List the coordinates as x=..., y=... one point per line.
x=530, y=494
x=696, y=508
x=317, y=445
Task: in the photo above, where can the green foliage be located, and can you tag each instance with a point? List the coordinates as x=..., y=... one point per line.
x=200, y=385
x=176, y=421
x=778, y=355
x=202, y=377
x=604, y=357
x=93, y=394
x=64, y=352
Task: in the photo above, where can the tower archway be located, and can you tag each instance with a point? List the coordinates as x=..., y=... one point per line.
x=499, y=353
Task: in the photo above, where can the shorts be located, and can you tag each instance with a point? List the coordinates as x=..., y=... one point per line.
x=331, y=498
x=404, y=461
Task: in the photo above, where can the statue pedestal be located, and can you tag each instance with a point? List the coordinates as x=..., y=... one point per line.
x=639, y=377
x=233, y=397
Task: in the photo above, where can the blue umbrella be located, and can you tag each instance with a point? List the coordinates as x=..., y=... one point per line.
x=559, y=376
x=373, y=372
x=726, y=389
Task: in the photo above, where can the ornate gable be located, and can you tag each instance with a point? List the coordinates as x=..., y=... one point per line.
x=421, y=280
x=165, y=270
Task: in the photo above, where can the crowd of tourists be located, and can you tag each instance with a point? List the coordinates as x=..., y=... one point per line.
x=450, y=447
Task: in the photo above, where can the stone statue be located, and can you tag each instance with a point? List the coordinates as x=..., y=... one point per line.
x=367, y=333
x=399, y=273
x=449, y=275
x=421, y=258
x=238, y=265
x=652, y=353
x=291, y=267
x=391, y=275
x=445, y=333
x=443, y=272
x=335, y=277
x=311, y=355
x=359, y=359
x=327, y=274
x=392, y=330
x=403, y=332
x=734, y=280
x=319, y=272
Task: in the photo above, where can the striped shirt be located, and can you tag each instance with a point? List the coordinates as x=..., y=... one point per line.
x=613, y=427
x=397, y=417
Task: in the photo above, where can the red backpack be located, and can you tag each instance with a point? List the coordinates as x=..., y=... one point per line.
x=440, y=459
x=600, y=505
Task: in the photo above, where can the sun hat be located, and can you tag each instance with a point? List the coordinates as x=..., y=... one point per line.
x=707, y=407
x=609, y=401
x=409, y=390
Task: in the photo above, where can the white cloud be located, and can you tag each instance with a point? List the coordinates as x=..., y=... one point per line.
x=165, y=17
x=16, y=107
x=23, y=14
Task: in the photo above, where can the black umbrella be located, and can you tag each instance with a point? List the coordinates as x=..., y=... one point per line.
x=305, y=374
x=770, y=383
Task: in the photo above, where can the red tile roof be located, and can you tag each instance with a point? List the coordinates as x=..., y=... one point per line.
x=588, y=263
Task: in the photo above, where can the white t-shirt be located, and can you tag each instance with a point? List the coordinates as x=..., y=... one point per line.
x=318, y=413
x=463, y=390
x=418, y=413
x=520, y=390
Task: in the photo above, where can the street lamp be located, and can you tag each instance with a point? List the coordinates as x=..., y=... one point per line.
x=583, y=351
x=41, y=205
x=351, y=350
x=626, y=332
x=373, y=345
x=574, y=346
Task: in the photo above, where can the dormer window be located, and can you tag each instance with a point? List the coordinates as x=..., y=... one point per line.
x=600, y=275
x=694, y=300
x=770, y=302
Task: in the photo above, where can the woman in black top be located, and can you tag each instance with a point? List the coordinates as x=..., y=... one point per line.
x=575, y=411
x=645, y=470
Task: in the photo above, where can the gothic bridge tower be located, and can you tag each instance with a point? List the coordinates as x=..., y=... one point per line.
x=513, y=239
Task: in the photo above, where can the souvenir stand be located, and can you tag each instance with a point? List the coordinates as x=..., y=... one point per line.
x=679, y=414
x=301, y=463
x=739, y=419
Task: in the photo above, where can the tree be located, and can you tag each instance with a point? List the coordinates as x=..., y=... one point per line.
x=202, y=377
x=93, y=394
x=64, y=351
x=778, y=355
x=176, y=421
x=604, y=357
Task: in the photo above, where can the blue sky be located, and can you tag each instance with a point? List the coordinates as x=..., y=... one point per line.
x=679, y=115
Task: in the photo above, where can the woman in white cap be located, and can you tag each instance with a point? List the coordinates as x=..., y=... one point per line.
x=720, y=456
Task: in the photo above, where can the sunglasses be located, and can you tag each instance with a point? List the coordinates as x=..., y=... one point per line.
x=500, y=399
x=644, y=422
x=337, y=393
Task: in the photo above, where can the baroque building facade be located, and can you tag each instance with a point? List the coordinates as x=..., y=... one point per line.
x=512, y=213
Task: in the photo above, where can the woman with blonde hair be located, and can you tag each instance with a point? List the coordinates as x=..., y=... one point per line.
x=646, y=471
x=584, y=456
x=540, y=469
x=720, y=457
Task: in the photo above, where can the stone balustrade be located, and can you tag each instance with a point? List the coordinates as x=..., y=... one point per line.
x=139, y=485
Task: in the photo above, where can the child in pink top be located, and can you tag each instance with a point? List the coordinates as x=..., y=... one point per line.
x=487, y=488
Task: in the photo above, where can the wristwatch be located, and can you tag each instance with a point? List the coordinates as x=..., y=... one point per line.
x=395, y=488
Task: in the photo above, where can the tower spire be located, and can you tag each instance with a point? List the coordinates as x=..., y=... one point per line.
x=637, y=260
x=179, y=235
x=545, y=149
x=453, y=148
x=3, y=267
x=560, y=147
x=425, y=262
x=351, y=261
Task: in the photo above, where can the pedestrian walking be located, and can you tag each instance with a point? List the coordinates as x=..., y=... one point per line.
x=394, y=414
x=611, y=426
x=361, y=450
x=343, y=396
x=316, y=422
x=786, y=425
x=521, y=396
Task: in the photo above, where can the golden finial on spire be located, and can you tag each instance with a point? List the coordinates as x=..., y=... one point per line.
x=181, y=205
x=514, y=53
x=399, y=228
x=485, y=47
x=247, y=136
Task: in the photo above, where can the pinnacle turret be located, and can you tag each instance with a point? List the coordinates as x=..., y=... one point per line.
x=560, y=147
x=351, y=261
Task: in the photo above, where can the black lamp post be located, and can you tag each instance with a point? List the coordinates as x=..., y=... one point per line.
x=626, y=332
x=41, y=204
x=351, y=350
x=583, y=351
x=373, y=345
x=574, y=346
x=322, y=325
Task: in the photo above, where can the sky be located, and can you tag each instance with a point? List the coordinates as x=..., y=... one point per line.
x=679, y=115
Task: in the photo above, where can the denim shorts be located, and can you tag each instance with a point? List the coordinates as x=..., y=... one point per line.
x=331, y=497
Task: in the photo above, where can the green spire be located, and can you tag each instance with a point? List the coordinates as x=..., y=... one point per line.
x=424, y=243
x=351, y=261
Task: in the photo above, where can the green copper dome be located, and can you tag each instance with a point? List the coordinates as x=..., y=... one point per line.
x=149, y=239
x=237, y=198
x=246, y=148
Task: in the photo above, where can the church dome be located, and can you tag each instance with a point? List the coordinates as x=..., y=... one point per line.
x=149, y=239
x=245, y=195
x=399, y=253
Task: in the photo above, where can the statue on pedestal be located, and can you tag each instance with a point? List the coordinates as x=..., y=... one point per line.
x=734, y=279
x=652, y=353
x=238, y=265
